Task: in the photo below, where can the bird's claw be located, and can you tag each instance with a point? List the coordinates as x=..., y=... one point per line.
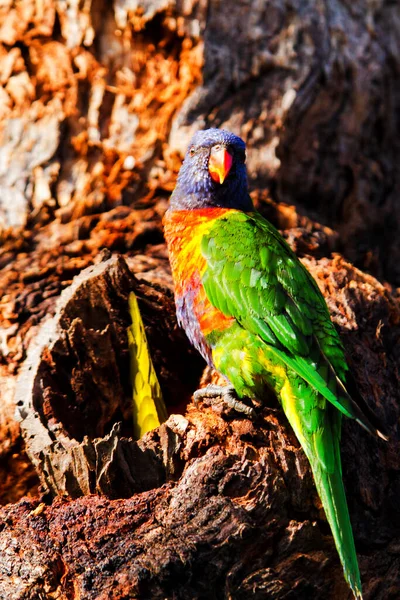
x=228, y=397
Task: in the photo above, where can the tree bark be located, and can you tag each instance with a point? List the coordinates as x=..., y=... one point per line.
x=97, y=101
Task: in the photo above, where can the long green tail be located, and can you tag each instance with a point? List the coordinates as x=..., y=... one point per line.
x=331, y=491
x=317, y=426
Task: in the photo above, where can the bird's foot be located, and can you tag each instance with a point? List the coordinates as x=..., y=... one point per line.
x=227, y=396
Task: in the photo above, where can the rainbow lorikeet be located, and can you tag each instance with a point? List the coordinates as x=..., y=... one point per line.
x=257, y=316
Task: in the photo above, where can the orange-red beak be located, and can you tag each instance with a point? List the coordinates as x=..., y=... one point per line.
x=220, y=164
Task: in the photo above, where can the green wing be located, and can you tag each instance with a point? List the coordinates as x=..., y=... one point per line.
x=254, y=276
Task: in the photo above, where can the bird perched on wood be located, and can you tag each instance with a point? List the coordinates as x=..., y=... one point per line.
x=257, y=316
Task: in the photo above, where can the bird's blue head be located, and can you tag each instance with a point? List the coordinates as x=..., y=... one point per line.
x=213, y=173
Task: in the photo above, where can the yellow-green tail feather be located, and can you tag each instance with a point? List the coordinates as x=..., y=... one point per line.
x=317, y=425
x=331, y=491
x=149, y=410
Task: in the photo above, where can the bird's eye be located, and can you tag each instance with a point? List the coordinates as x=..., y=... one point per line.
x=217, y=147
x=192, y=151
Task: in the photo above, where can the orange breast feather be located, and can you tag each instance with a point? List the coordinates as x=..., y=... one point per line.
x=184, y=231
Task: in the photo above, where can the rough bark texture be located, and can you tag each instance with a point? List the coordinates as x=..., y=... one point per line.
x=97, y=100
x=74, y=395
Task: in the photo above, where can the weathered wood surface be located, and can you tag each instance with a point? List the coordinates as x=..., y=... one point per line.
x=97, y=99
x=74, y=395
x=223, y=507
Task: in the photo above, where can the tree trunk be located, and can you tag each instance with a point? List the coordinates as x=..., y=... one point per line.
x=97, y=102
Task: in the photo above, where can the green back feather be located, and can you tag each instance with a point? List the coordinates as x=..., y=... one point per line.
x=253, y=275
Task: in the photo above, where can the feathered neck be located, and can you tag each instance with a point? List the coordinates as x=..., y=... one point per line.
x=197, y=190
